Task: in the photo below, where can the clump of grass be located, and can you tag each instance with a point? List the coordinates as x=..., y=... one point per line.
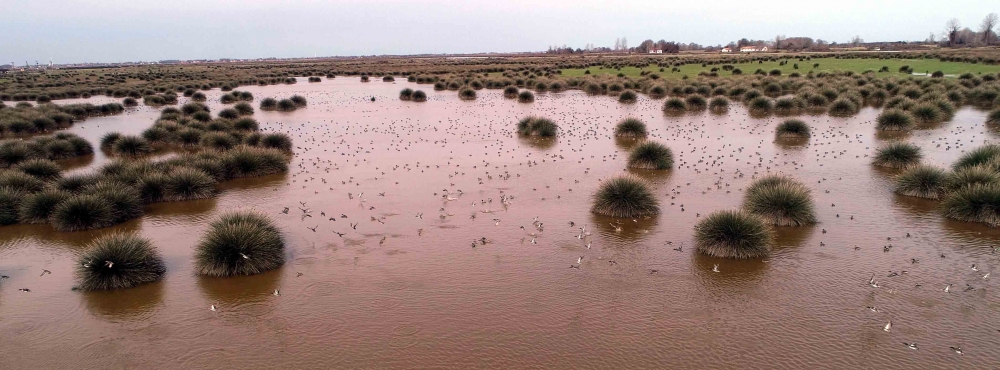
x=696, y=102
x=651, y=155
x=42, y=169
x=152, y=187
x=897, y=154
x=922, y=182
x=894, y=120
x=927, y=113
x=628, y=97
x=124, y=200
x=217, y=141
x=657, y=92
x=733, y=234
x=82, y=212
x=298, y=100
x=244, y=161
x=119, y=261
x=718, y=104
x=631, y=127
x=286, y=105
x=511, y=92
x=240, y=243
x=760, y=105
x=187, y=184
x=783, y=203
x=109, y=139
x=792, y=128
x=968, y=176
x=994, y=117
x=278, y=141
x=467, y=94
x=20, y=181
x=525, y=96
x=36, y=208
x=131, y=146
x=10, y=202
x=243, y=108
x=674, y=106
x=843, y=107
x=269, y=104
x=980, y=156
x=625, y=197
x=246, y=124
x=976, y=203
x=537, y=126
x=406, y=94
x=419, y=96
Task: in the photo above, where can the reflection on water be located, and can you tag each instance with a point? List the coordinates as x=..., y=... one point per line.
x=136, y=304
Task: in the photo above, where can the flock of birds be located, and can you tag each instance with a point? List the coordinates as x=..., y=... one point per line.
x=352, y=175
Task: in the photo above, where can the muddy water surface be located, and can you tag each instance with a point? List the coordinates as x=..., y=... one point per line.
x=423, y=181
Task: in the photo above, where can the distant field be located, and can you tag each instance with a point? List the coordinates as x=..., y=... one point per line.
x=825, y=64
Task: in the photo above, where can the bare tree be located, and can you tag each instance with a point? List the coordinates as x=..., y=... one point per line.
x=857, y=41
x=778, y=41
x=624, y=44
x=951, y=30
x=618, y=44
x=931, y=39
x=987, y=27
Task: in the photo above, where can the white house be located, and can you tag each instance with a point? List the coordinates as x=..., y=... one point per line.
x=752, y=49
x=655, y=51
x=727, y=50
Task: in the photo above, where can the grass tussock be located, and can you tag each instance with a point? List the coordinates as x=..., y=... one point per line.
x=240, y=243
x=650, y=155
x=625, y=197
x=537, y=126
x=897, y=154
x=119, y=261
x=631, y=127
x=733, y=234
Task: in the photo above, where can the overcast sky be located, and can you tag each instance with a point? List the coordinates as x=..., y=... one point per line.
x=69, y=31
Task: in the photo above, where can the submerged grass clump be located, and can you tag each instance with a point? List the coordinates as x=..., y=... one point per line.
x=628, y=97
x=979, y=156
x=651, y=155
x=792, y=128
x=10, y=202
x=625, y=197
x=240, y=243
x=922, y=182
x=976, y=203
x=82, y=212
x=537, y=126
x=631, y=127
x=674, y=106
x=780, y=201
x=894, y=120
x=897, y=154
x=525, y=96
x=131, y=146
x=119, y=261
x=406, y=94
x=467, y=94
x=733, y=234
x=511, y=92
x=968, y=176
x=419, y=96
x=36, y=208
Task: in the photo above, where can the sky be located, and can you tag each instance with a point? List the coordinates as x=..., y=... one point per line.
x=76, y=31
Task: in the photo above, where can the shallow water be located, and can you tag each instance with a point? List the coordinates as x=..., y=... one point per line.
x=427, y=299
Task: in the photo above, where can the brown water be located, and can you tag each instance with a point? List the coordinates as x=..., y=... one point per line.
x=429, y=300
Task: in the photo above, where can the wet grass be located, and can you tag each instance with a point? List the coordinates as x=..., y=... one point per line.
x=922, y=182
x=625, y=197
x=119, y=261
x=781, y=203
x=733, y=234
x=240, y=243
x=897, y=154
x=650, y=155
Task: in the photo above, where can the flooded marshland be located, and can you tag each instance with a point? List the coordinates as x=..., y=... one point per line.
x=401, y=254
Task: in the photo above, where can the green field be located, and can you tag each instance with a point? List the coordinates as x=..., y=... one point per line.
x=825, y=64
